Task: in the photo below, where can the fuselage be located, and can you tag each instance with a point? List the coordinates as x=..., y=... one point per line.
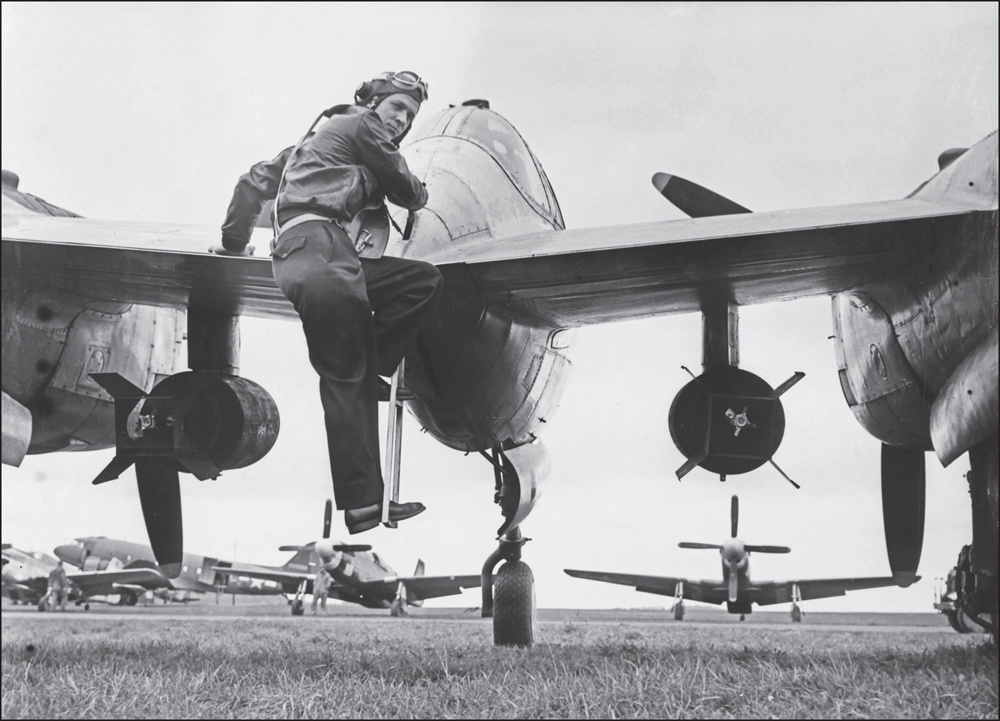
x=351, y=570
x=20, y=566
x=486, y=373
x=97, y=553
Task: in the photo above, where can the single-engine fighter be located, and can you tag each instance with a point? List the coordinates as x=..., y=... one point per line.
x=359, y=575
x=198, y=574
x=736, y=589
x=26, y=580
x=96, y=309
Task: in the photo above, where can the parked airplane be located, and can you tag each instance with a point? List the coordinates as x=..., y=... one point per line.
x=736, y=589
x=93, y=308
x=359, y=575
x=26, y=579
x=199, y=574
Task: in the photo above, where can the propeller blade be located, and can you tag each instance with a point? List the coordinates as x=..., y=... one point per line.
x=295, y=549
x=160, y=495
x=691, y=198
x=734, y=512
x=327, y=518
x=767, y=549
x=734, y=584
x=685, y=544
x=904, y=492
x=349, y=548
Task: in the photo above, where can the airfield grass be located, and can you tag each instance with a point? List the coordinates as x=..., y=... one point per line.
x=413, y=668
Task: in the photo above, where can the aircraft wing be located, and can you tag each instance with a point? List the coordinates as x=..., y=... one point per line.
x=103, y=583
x=564, y=277
x=766, y=594
x=264, y=573
x=419, y=588
x=704, y=591
x=594, y=275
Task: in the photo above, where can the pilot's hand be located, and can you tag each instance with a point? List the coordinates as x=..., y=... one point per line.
x=220, y=249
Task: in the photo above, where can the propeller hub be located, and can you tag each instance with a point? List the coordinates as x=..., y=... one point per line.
x=733, y=552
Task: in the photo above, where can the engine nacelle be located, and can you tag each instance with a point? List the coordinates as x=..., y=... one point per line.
x=207, y=421
x=878, y=383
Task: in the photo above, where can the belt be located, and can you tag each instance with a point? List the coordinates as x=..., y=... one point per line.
x=298, y=220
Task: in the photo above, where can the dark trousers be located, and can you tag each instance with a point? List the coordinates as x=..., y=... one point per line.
x=336, y=294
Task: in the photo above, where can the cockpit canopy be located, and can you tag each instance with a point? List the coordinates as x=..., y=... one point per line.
x=473, y=121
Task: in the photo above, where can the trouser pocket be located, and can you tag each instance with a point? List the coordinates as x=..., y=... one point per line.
x=286, y=245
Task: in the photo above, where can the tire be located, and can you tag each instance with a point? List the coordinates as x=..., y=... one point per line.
x=397, y=610
x=958, y=621
x=796, y=615
x=514, y=612
x=678, y=611
x=298, y=608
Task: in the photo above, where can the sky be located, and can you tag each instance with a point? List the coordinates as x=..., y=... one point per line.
x=151, y=112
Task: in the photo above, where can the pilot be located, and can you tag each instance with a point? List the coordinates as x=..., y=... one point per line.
x=360, y=311
x=58, y=587
x=321, y=589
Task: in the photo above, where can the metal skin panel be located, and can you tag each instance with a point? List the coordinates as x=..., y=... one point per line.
x=888, y=401
x=140, y=343
x=966, y=410
x=93, y=552
x=16, y=431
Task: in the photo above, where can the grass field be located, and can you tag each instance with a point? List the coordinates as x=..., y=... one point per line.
x=364, y=667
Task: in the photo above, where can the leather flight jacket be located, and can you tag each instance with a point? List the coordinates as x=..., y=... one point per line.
x=342, y=173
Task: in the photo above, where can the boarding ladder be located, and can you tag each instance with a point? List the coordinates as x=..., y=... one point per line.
x=393, y=443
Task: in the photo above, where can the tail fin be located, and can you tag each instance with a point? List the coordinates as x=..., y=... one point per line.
x=419, y=570
x=301, y=557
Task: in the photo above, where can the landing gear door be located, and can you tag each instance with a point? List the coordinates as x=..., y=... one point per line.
x=531, y=470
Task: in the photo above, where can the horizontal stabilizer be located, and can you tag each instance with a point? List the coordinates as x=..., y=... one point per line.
x=767, y=549
x=685, y=544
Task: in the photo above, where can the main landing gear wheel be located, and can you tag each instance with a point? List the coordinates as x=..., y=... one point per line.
x=678, y=611
x=514, y=612
x=796, y=614
x=958, y=621
x=298, y=607
x=397, y=610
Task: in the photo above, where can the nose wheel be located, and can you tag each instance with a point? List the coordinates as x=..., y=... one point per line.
x=512, y=602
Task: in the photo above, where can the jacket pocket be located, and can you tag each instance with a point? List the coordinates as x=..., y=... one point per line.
x=286, y=246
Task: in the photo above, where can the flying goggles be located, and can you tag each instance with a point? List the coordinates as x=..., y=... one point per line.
x=404, y=80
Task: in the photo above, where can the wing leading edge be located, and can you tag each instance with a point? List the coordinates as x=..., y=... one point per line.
x=419, y=588
x=704, y=591
x=595, y=275
x=766, y=594
x=564, y=277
